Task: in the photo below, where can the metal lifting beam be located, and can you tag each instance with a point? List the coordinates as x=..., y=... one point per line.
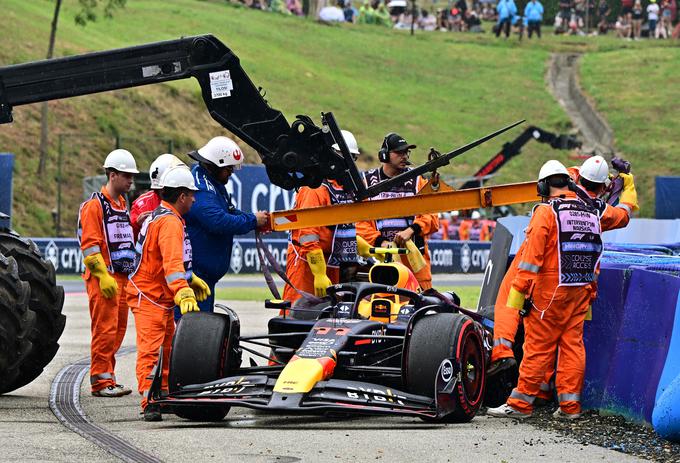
x=427, y=203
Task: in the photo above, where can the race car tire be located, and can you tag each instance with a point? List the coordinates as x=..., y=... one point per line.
x=46, y=301
x=499, y=386
x=16, y=322
x=440, y=336
x=199, y=356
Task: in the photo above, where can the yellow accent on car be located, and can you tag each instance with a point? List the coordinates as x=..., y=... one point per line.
x=300, y=375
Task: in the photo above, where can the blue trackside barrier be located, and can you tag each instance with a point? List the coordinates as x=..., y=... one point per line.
x=6, y=171
x=666, y=414
x=667, y=206
x=628, y=339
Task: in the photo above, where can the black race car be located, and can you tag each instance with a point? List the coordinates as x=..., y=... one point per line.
x=377, y=347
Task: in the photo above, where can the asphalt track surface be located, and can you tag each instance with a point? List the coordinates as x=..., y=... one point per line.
x=29, y=431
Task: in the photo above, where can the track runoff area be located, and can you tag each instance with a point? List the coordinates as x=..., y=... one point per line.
x=114, y=429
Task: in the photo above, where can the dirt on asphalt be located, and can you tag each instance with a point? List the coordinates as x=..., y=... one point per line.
x=611, y=432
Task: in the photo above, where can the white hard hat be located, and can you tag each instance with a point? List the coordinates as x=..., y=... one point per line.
x=552, y=167
x=159, y=166
x=220, y=152
x=476, y=215
x=122, y=161
x=455, y=213
x=178, y=176
x=595, y=169
x=350, y=141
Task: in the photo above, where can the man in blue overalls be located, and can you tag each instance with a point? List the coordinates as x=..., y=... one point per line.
x=213, y=220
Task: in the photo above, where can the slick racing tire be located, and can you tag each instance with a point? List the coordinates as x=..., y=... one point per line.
x=440, y=336
x=199, y=356
x=46, y=301
x=499, y=386
x=16, y=322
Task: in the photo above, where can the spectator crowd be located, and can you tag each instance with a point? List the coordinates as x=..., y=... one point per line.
x=628, y=19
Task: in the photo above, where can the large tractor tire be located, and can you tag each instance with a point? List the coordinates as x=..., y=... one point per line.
x=200, y=354
x=46, y=301
x=16, y=322
x=443, y=336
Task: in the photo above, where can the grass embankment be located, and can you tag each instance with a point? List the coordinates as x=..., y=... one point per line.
x=639, y=93
x=468, y=295
x=436, y=89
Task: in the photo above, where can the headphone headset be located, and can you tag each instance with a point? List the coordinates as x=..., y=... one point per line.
x=384, y=153
x=543, y=186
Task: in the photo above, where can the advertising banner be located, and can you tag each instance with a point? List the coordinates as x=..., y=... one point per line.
x=446, y=256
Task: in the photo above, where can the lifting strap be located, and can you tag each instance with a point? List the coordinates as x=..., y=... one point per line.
x=267, y=263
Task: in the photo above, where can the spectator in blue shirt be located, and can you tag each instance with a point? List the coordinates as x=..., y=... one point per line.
x=533, y=15
x=213, y=220
x=506, y=10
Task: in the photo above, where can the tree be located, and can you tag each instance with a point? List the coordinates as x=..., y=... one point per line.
x=87, y=13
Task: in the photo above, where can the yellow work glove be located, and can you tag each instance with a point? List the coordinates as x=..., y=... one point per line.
x=415, y=257
x=515, y=299
x=317, y=265
x=363, y=247
x=589, y=313
x=200, y=287
x=186, y=300
x=107, y=284
x=629, y=195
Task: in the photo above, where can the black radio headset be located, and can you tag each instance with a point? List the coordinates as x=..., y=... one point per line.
x=384, y=153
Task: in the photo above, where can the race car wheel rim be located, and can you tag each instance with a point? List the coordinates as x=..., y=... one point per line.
x=472, y=367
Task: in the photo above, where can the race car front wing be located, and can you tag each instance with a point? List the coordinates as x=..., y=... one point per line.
x=333, y=395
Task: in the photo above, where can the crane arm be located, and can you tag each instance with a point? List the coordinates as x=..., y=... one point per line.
x=297, y=154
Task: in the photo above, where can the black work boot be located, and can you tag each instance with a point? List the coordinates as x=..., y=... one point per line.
x=152, y=412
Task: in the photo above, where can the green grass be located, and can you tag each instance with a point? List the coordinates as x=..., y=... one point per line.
x=436, y=89
x=468, y=295
x=642, y=111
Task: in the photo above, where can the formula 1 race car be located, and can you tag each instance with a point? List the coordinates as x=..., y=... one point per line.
x=377, y=347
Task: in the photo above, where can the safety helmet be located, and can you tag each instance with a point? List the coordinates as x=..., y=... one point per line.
x=552, y=167
x=178, y=176
x=350, y=141
x=475, y=215
x=122, y=161
x=220, y=152
x=595, y=169
x=159, y=166
x=455, y=213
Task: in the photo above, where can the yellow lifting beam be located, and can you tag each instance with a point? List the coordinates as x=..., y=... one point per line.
x=423, y=203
